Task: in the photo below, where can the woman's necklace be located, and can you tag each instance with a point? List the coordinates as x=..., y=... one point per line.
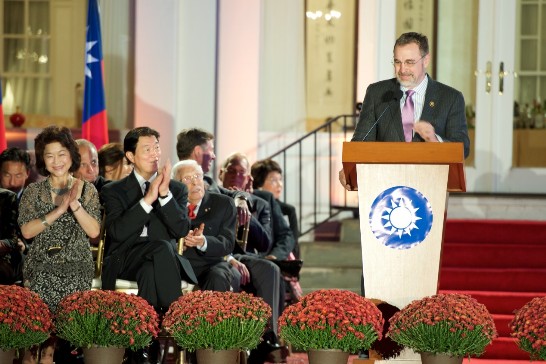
x=62, y=190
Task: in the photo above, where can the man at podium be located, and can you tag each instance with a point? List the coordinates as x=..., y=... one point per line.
x=411, y=107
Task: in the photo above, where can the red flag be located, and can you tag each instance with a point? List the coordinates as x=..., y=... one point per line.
x=3, y=141
x=95, y=123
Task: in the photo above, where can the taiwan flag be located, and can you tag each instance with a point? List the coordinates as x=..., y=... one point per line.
x=3, y=141
x=95, y=123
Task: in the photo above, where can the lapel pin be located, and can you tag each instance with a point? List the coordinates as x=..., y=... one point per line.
x=431, y=104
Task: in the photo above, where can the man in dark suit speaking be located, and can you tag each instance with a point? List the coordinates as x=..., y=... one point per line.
x=411, y=107
x=146, y=214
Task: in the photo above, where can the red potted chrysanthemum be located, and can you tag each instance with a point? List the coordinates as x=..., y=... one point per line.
x=331, y=319
x=454, y=325
x=106, y=319
x=217, y=323
x=25, y=320
x=529, y=328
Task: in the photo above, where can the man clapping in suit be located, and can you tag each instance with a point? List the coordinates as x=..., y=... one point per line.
x=146, y=214
x=213, y=217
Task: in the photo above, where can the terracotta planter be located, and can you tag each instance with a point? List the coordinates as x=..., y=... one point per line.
x=7, y=356
x=210, y=356
x=427, y=358
x=103, y=355
x=328, y=356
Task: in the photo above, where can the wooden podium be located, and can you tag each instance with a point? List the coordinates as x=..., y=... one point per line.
x=402, y=197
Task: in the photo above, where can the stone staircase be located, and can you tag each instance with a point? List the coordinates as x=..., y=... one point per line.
x=333, y=264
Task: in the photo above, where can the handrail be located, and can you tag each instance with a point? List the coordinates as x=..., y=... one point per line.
x=311, y=200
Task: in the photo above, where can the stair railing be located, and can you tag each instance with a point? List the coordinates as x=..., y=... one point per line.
x=311, y=165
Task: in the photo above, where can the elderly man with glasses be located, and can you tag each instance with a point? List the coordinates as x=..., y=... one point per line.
x=212, y=233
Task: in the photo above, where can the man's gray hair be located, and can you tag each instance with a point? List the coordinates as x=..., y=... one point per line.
x=185, y=163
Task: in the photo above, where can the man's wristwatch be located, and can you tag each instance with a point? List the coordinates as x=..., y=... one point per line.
x=163, y=197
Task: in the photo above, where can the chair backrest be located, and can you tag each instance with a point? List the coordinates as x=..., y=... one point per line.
x=243, y=240
x=99, y=249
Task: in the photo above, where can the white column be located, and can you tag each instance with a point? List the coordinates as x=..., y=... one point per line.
x=376, y=37
x=238, y=92
x=196, y=65
x=155, y=70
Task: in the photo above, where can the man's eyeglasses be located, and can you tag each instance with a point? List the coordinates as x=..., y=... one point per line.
x=407, y=62
x=149, y=150
x=189, y=179
x=235, y=172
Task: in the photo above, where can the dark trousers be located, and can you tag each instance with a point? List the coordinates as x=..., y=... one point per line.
x=214, y=277
x=265, y=282
x=153, y=264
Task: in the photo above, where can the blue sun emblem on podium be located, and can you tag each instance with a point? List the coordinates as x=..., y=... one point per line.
x=401, y=217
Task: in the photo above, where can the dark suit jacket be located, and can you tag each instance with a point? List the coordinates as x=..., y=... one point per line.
x=219, y=215
x=125, y=219
x=8, y=221
x=290, y=212
x=283, y=241
x=444, y=108
x=260, y=234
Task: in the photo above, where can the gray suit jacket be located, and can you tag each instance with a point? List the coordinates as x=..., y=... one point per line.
x=444, y=108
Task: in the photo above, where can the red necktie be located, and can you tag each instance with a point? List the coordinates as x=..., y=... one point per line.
x=191, y=211
x=408, y=118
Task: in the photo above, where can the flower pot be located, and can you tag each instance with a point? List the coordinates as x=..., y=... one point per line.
x=103, y=355
x=210, y=356
x=7, y=356
x=428, y=358
x=327, y=356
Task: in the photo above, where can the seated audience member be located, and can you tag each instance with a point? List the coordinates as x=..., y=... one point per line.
x=197, y=144
x=14, y=170
x=262, y=275
x=146, y=214
x=267, y=175
x=14, y=173
x=61, y=213
x=34, y=175
x=283, y=241
x=89, y=167
x=11, y=247
x=235, y=176
x=213, y=219
x=113, y=165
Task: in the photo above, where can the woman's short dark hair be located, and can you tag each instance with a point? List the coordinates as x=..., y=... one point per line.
x=53, y=134
x=110, y=154
x=131, y=139
x=261, y=169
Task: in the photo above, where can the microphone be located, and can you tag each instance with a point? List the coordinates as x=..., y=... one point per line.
x=387, y=97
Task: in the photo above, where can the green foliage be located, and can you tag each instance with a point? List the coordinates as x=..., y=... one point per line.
x=228, y=334
x=306, y=338
x=441, y=339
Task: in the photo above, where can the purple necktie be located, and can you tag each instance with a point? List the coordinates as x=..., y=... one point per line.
x=407, y=116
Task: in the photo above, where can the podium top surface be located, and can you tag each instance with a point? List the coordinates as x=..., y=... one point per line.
x=451, y=154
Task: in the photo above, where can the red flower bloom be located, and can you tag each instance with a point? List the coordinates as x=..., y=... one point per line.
x=453, y=324
x=106, y=318
x=331, y=319
x=529, y=328
x=25, y=320
x=217, y=320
